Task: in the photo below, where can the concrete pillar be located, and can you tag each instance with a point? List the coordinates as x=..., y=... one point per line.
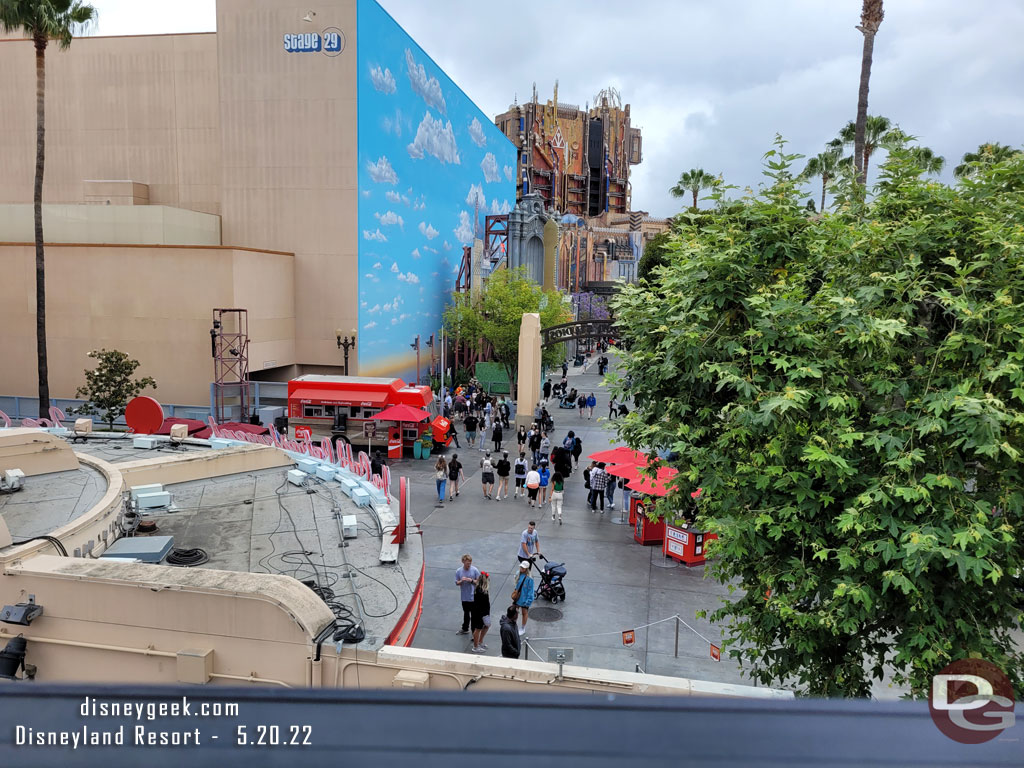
x=550, y=253
x=528, y=387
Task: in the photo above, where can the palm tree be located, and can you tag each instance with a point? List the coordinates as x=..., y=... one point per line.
x=928, y=160
x=43, y=20
x=826, y=165
x=871, y=15
x=877, y=131
x=988, y=154
x=693, y=181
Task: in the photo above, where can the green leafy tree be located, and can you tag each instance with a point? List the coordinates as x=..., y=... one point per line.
x=43, y=20
x=987, y=154
x=871, y=15
x=656, y=253
x=848, y=390
x=826, y=164
x=692, y=182
x=110, y=386
x=495, y=315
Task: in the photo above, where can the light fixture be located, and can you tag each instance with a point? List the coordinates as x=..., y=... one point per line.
x=309, y=16
x=22, y=613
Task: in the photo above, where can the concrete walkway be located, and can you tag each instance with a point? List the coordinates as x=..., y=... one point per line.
x=613, y=583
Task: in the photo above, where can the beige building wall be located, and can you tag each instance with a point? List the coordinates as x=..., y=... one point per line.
x=153, y=302
x=123, y=224
x=289, y=157
x=144, y=109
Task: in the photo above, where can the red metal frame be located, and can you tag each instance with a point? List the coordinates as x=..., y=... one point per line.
x=495, y=237
x=230, y=336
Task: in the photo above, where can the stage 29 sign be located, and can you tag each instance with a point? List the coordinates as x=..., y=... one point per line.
x=331, y=42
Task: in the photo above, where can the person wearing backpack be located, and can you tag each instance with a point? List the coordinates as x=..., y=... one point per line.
x=441, y=478
x=455, y=475
x=577, y=449
x=487, y=476
x=521, y=468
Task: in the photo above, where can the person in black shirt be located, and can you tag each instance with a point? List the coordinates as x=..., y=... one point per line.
x=455, y=476
x=510, y=644
x=503, y=468
x=496, y=436
x=470, y=424
x=547, y=389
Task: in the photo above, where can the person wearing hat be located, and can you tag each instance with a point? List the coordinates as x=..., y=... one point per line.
x=524, y=592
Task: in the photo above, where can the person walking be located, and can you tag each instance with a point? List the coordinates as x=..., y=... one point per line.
x=441, y=478
x=611, y=408
x=545, y=479
x=480, y=621
x=504, y=467
x=582, y=404
x=547, y=390
x=598, y=483
x=545, y=447
x=532, y=484
x=565, y=368
x=470, y=424
x=557, y=495
x=609, y=490
x=485, y=424
x=487, y=476
x=524, y=593
x=521, y=437
x=587, y=474
x=452, y=434
x=510, y=645
x=496, y=435
x=577, y=449
x=535, y=441
x=505, y=411
x=455, y=476
x=466, y=579
x=522, y=466
x=591, y=402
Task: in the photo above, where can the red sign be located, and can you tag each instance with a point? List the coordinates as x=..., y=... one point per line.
x=144, y=415
x=716, y=652
x=629, y=637
x=303, y=433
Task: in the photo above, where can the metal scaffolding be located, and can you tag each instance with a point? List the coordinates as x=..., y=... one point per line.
x=229, y=345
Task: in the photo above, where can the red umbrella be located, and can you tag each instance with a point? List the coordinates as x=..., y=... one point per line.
x=628, y=471
x=655, y=487
x=621, y=455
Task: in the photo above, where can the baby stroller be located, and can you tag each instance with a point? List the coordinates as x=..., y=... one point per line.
x=551, y=587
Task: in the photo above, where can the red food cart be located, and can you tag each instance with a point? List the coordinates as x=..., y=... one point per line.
x=337, y=407
x=645, y=530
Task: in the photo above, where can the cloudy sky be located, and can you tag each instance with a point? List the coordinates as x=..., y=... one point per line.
x=711, y=83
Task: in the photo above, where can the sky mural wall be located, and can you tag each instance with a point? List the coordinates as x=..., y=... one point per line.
x=431, y=167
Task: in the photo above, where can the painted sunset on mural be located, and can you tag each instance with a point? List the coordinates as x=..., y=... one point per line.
x=429, y=163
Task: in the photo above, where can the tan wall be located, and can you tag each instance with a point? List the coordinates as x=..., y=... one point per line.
x=289, y=157
x=139, y=108
x=154, y=303
x=103, y=224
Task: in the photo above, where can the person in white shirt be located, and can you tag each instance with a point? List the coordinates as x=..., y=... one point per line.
x=532, y=484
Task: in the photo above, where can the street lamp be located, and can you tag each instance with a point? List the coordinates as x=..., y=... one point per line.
x=430, y=345
x=346, y=344
x=416, y=345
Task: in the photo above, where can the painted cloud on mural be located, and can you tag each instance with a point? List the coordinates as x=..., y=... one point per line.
x=383, y=80
x=489, y=165
x=427, y=87
x=435, y=138
x=476, y=133
x=381, y=171
x=428, y=231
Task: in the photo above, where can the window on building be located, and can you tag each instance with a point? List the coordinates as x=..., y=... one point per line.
x=328, y=410
x=354, y=411
x=313, y=411
x=370, y=412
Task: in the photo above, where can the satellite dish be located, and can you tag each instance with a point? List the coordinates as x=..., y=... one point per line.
x=144, y=415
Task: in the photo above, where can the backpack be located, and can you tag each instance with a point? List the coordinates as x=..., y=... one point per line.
x=578, y=446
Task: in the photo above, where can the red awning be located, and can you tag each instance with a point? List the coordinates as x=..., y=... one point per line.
x=621, y=455
x=341, y=396
x=402, y=413
x=652, y=487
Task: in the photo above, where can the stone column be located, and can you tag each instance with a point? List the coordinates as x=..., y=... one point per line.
x=528, y=388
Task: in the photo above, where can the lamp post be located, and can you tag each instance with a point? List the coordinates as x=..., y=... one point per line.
x=346, y=344
x=416, y=345
x=430, y=345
